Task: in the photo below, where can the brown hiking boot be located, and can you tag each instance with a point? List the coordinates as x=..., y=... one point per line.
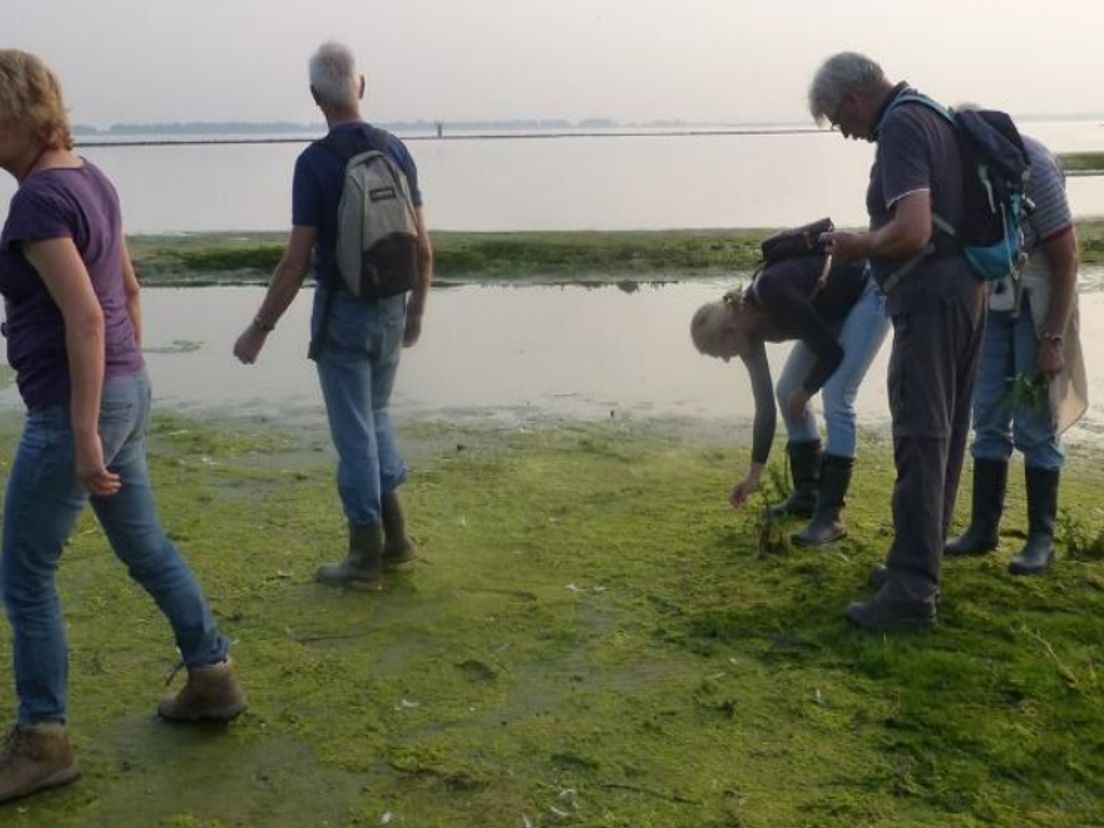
x=35, y=757
x=363, y=566
x=211, y=693
x=397, y=547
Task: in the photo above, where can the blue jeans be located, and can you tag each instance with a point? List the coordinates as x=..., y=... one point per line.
x=43, y=502
x=1010, y=348
x=359, y=358
x=861, y=335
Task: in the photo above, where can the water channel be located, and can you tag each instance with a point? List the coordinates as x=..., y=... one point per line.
x=518, y=354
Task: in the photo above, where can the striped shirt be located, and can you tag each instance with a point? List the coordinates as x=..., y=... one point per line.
x=1047, y=189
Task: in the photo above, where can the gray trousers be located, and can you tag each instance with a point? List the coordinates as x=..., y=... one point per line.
x=931, y=381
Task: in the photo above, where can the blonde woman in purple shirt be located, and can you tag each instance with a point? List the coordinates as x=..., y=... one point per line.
x=73, y=327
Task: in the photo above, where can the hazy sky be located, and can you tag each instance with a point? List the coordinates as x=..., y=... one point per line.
x=717, y=60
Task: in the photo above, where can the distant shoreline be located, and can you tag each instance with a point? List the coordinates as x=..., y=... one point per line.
x=551, y=257
x=230, y=128
x=522, y=124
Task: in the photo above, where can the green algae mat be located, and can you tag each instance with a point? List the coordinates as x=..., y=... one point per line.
x=592, y=637
x=557, y=257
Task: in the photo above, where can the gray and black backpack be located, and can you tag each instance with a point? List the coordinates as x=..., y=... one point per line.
x=377, y=235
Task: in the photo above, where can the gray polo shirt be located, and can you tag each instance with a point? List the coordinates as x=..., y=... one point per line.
x=918, y=152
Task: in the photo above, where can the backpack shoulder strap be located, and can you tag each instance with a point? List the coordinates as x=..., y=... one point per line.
x=822, y=279
x=348, y=143
x=924, y=100
x=940, y=223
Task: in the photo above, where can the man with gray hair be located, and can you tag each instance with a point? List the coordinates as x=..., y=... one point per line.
x=935, y=303
x=356, y=341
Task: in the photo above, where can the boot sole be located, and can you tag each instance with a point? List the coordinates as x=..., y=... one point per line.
x=1027, y=572
x=798, y=540
x=362, y=586
x=896, y=626
x=54, y=780
x=218, y=714
x=359, y=584
x=396, y=563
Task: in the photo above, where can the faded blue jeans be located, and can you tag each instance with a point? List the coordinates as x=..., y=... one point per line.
x=43, y=502
x=1010, y=348
x=357, y=363
x=861, y=335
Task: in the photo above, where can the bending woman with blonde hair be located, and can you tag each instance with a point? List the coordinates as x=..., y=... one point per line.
x=837, y=315
x=73, y=328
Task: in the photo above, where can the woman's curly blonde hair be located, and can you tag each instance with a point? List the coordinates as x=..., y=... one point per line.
x=30, y=96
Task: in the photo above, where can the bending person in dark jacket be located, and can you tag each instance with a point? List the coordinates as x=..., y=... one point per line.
x=839, y=322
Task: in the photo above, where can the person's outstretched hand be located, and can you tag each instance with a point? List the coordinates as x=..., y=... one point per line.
x=742, y=491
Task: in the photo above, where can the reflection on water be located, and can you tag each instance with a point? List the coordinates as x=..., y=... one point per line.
x=515, y=353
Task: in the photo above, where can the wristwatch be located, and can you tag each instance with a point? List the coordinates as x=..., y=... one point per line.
x=1051, y=336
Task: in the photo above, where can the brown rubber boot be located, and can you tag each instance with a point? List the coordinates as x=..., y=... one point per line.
x=211, y=694
x=397, y=547
x=35, y=757
x=363, y=566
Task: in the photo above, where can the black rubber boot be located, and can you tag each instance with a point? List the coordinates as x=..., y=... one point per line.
x=891, y=609
x=397, y=547
x=805, y=470
x=990, y=483
x=879, y=574
x=363, y=566
x=835, y=479
x=1042, y=506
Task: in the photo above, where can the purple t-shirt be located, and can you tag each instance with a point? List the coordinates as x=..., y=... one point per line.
x=80, y=204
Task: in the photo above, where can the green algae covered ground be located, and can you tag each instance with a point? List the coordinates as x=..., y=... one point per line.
x=491, y=258
x=593, y=638
x=1082, y=162
x=521, y=257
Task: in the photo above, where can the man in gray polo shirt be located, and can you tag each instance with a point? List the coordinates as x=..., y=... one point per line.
x=937, y=315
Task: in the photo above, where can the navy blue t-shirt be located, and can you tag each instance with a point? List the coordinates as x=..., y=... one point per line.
x=316, y=192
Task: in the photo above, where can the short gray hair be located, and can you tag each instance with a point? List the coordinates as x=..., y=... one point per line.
x=838, y=76
x=333, y=75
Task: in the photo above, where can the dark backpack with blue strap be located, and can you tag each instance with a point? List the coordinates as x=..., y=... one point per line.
x=995, y=170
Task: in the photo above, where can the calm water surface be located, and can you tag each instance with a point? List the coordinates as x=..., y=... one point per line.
x=516, y=354
x=592, y=183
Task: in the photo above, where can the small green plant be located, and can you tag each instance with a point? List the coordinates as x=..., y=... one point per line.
x=1030, y=389
x=772, y=539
